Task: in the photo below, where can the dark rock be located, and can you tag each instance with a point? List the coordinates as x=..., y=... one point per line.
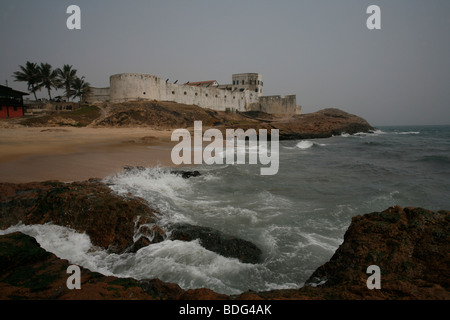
x=186, y=174
x=217, y=241
x=321, y=124
x=133, y=168
x=110, y=220
x=409, y=245
x=29, y=272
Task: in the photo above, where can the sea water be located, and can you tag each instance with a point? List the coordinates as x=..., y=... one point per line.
x=297, y=217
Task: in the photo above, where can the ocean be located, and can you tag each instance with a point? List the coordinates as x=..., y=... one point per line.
x=297, y=217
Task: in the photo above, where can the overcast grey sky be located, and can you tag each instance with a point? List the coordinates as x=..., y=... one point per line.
x=320, y=50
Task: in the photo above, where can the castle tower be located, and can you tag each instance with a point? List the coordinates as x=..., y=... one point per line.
x=248, y=81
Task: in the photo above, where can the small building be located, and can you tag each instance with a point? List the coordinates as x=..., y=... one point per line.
x=11, y=102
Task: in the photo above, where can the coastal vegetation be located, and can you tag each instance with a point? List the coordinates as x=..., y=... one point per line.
x=81, y=117
x=39, y=76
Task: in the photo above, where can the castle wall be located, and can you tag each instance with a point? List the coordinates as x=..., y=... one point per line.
x=276, y=104
x=133, y=86
x=137, y=87
x=98, y=95
x=127, y=87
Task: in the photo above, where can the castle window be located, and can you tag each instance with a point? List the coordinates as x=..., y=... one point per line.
x=243, y=82
x=196, y=94
x=185, y=93
x=216, y=95
x=206, y=94
x=173, y=92
x=256, y=90
x=144, y=92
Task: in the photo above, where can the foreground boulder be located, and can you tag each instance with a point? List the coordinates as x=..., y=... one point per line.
x=217, y=241
x=29, y=272
x=410, y=246
x=112, y=222
x=116, y=223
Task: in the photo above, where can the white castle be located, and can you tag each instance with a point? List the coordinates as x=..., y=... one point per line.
x=243, y=94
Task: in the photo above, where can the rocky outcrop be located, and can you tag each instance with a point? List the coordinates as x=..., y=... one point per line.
x=410, y=246
x=217, y=241
x=119, y=224
x=29, y=272
x=186, y=174
x=321, y=124
x=170, y=115
x=115, y=223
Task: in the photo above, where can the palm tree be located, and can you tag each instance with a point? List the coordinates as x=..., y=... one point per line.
x=30, y=75
x=80, y=88
x=67, y=75
x=48, y=78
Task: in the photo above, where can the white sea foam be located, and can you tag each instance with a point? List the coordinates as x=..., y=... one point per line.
x=306, y=144
x=321, y=241
x=65, y=243
x=408, y=132
x=148, y=180
x=186, y=263
x=159, y=186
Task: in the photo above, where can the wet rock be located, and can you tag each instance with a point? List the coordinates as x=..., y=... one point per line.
x=409, y=245
x=110, y=220
x=29, y=272
x=217, y=241
x=133, y=168
x=186, y=174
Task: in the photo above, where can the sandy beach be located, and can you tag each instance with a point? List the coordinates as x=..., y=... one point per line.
x=73, y=154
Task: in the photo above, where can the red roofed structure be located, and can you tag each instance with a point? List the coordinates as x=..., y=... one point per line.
x=11, y=102
x=210, y=83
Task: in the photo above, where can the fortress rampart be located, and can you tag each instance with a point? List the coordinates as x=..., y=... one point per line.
x=243, y=95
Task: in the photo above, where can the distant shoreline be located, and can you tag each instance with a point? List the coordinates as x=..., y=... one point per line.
x=98, y=141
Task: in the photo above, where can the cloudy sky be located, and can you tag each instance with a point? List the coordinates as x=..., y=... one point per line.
x=320, y=50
